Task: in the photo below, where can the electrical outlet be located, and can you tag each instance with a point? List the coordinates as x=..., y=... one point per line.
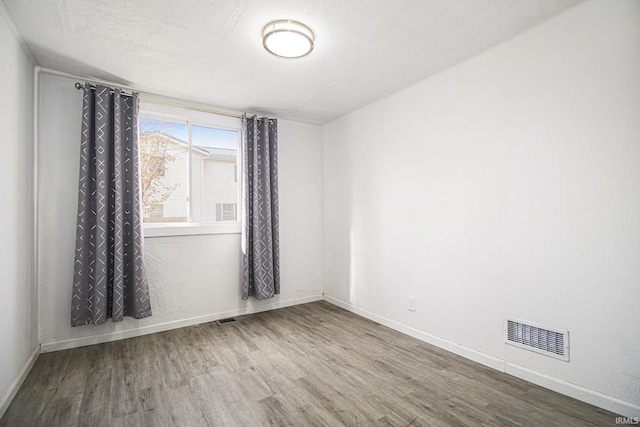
x=412, y=303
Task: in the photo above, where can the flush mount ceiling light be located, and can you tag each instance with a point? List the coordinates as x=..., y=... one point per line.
x=287, y=39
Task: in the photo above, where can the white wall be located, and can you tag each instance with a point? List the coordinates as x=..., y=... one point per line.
x=191, y=278
x=18, y=316
x=508, y=185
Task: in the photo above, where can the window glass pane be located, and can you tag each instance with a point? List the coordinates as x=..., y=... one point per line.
x=214, y=185
x=164, y=173
x=226, y=211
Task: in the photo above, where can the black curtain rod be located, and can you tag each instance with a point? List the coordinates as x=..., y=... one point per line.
x=81, y=86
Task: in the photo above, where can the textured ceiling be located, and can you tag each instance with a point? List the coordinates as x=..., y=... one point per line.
x=210, y=51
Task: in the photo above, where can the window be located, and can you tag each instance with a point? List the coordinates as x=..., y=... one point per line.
x=157, y=211
x=188, y=171
x=226, y=212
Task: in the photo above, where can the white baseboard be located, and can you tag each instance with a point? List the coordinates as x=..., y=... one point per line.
x=592, y=397
x=166, y=326
x=617, y=406
x=465, y=352
x=17, y=383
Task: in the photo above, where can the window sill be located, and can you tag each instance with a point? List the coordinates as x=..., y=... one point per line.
x=182, y=229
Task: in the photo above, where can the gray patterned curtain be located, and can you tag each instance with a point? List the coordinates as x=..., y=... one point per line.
x=260, y=240
x=109, y=276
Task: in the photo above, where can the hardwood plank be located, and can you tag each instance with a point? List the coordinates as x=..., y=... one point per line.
x=129, y=420
x=279, y=412
x=64, y=411
x=94, y=408
x=124, y=390
x=197, y=353
x=168, y=358
x=30, y=403
x=182, y=407
x=143, y=350
x=74, y=377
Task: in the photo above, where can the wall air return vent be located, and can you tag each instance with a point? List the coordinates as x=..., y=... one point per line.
x=549, y=341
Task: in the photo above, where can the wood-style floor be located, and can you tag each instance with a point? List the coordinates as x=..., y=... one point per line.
x=312, y=364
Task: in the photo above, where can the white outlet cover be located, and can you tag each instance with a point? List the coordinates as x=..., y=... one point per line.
x=412, y=303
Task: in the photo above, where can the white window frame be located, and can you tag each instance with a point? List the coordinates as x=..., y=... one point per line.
x=191, y=117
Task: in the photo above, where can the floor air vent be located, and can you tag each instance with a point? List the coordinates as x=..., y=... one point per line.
x=225, y=321
x=543, y=340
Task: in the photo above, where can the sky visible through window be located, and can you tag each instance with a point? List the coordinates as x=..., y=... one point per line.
x=201, y=136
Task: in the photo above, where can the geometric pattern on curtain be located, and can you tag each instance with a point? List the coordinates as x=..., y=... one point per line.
x=260, y=239
x=109, y=275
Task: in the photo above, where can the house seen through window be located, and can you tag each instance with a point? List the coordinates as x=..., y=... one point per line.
x=188, y=171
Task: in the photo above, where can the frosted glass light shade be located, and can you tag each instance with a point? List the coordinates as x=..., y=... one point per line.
x=287, y=39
